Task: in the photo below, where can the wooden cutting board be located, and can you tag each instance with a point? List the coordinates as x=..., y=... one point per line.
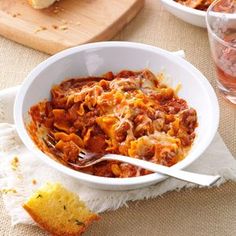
x=65, y=24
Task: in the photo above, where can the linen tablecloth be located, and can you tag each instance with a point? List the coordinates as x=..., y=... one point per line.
x=189, y=212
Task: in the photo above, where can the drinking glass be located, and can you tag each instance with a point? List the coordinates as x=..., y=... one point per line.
x=221, y=26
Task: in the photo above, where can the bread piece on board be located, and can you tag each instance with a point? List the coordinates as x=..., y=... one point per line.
x=59, y=211
x=40, y=4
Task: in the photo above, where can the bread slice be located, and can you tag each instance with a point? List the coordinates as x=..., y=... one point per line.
x=40, y=4
x=59, y=211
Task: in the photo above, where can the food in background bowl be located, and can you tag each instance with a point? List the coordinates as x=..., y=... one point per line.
x=185, y=13
x=196, y=4
x=131, y=113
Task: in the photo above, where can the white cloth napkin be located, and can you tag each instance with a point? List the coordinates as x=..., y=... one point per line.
x=18, y=182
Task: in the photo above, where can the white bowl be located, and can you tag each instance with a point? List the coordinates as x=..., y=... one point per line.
x=97, y=58
x=187, y=14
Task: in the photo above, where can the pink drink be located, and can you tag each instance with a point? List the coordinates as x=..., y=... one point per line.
x=221, y=23
x=225, y=62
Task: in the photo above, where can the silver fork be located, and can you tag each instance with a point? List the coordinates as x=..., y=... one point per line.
x=87, y=159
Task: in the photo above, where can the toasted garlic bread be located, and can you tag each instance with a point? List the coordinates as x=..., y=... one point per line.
x=59, y=211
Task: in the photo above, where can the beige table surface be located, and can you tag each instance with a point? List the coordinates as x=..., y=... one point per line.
x=189, y=212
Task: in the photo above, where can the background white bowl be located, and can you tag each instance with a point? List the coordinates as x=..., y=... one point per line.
x=98, y=58
x=192, y=16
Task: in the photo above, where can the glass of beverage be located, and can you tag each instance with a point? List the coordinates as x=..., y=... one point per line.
x=221, y=26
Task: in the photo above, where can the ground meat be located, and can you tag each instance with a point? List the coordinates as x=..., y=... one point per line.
x=189, y=120
x=121, y=131
x=69, y=151
x=174, y=105
x=96, y=144
x=128, y=170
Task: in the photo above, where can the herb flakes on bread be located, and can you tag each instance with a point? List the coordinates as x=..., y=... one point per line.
x=59, y=211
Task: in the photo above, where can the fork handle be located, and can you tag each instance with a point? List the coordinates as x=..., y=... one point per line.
x=200, y=179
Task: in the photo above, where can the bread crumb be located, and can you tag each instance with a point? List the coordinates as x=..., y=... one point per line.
x=14, y=163
x=8, y=191
x=55, y=11
x=58, y=9
x=64, y=21
x=34, y=181
x=41, y=28
x=20, y=176
x=16, y=14
x=63, y=27
x=54, y=26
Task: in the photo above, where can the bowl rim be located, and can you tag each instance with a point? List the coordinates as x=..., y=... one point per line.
x=115, y=182
x=183, y=8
